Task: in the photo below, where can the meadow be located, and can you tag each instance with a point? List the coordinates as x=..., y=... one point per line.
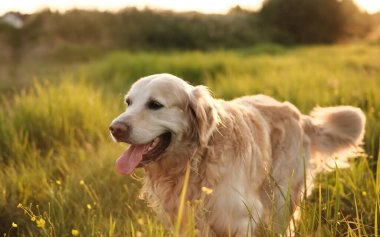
x=57, y=159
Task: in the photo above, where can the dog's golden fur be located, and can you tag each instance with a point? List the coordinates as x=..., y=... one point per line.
x=247, y=151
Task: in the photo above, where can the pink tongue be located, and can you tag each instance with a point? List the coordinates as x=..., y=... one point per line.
x=130, y=158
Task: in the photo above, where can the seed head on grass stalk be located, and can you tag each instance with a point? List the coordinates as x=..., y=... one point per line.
x=13, y=226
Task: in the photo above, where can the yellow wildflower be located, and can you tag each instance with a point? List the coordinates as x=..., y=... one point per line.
x=207, y=190
x=14, y=225
x=33, y=218
x=58, y=182
x=41, y=223
x=75, y=232
x=364, y=193
x=19, y=205
x=138, y=234
x=88, y=206
x=140, y=221
x=81, y=182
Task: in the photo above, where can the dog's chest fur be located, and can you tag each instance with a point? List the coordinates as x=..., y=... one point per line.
x=227, y=169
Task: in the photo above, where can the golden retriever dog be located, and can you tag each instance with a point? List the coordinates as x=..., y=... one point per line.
x=253, y=152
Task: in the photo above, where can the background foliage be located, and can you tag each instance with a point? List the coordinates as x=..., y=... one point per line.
x=79, y=34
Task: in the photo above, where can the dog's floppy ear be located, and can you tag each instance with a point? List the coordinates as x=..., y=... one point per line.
x=203, y=115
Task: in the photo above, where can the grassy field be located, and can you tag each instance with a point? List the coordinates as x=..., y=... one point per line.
x=57, y=160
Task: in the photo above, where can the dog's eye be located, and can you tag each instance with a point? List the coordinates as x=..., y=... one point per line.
x=154, y=105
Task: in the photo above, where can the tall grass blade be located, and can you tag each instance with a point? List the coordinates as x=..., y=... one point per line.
x=337, y=201
x=376, y=219
x=182, y=201
x=358, y=224
x=287, y=205
x=377, y=193
x=319, y=230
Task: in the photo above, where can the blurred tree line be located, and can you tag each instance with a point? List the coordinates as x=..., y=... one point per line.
x=80, y=34
x=314, y=21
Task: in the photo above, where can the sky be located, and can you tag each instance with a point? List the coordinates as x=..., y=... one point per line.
x=205, y=6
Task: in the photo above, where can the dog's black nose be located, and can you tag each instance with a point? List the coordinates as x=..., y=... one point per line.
x=119, y=130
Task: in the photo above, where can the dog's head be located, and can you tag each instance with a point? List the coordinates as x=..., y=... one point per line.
x=162, y=111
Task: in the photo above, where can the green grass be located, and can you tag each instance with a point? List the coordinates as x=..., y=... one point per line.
x=57, y=159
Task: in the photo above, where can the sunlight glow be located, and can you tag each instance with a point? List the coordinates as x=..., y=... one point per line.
x=210, y=6
x=371, y=6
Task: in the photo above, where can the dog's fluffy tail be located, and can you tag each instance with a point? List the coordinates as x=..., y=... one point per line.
x=335, y=132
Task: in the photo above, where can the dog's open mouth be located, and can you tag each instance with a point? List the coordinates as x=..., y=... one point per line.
x=139, y=155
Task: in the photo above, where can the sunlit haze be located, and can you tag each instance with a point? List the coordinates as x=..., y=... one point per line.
x=211, y=6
